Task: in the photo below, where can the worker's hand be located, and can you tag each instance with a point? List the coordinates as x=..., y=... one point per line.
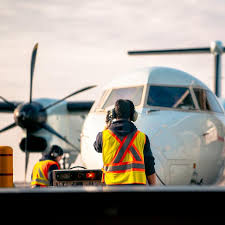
x=108, y=119
x=152, y=179
x=108, y=116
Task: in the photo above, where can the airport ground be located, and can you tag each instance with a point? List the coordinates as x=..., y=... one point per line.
x=121, y=205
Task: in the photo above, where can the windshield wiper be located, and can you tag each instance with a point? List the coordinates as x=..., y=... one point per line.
x=153, y=110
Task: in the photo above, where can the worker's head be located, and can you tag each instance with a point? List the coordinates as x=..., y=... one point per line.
x=124, y=109
x=56, y=153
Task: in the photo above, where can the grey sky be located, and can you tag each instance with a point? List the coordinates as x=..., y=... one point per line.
x=89, y=39
x=86, y=42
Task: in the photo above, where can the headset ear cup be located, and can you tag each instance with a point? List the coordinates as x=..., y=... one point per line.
x=135, y=116
x=54, y=154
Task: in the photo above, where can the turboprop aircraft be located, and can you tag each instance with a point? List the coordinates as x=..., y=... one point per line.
x=182, y=117
x=43, y=120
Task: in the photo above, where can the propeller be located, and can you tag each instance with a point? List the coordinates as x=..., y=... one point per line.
x=216, y=48
x=72, y=94
x=27, y=154
x=32, y=66
x=32, y=116
x=170, y=51
x=11, y=104
x=8, y=127
x=52, y=131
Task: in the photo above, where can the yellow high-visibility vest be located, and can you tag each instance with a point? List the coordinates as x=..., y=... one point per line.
x=40, y=172
x=123, y=158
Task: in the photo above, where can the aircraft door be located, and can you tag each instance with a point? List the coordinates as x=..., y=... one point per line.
x=212, y=148
x=212, y=137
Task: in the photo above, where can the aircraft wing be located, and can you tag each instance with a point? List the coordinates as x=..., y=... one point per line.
x=72, y=106
x=8, y=107
x=79, y=106
x=222, y=101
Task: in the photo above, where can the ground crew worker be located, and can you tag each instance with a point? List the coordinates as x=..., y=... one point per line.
x=42, y=171
x=126, y=151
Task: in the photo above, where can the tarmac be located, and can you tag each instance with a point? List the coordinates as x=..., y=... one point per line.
x=122, y=204
x=20, y=189
x=123, y=200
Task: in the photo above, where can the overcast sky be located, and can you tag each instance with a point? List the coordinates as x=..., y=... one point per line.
x=86, y=42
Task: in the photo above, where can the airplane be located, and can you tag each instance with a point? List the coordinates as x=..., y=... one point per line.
x=41, y=120
x=201, y=127
x=183, y=118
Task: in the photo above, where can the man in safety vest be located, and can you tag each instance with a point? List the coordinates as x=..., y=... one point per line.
x=126, y=152
x=42, y=171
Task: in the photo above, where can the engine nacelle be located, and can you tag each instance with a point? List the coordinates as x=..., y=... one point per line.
x=34, y=144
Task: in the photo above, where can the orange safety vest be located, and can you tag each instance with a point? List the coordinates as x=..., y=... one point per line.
x=123, y=158
x=40, y=172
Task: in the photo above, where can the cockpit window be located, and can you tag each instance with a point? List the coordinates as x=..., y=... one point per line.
x=207, y=101
x=132, y=93
x=171, y=97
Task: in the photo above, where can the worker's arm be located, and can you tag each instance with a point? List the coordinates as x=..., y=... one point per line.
x=152, y=179
x=98, y=143
x=149, y=163
x=50, y=175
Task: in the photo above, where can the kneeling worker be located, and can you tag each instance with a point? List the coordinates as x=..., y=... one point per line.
x=127, y=156
x=42, y=171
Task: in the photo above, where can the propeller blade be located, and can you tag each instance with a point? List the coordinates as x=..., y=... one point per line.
x=9, y=103
x=74, y=93
x=52, y=131
x=170, y=51
x=8, y=127
x=27, y=154
x=33, y=60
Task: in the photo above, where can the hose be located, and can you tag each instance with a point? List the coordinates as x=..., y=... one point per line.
x=160, y=179
x=78, y=167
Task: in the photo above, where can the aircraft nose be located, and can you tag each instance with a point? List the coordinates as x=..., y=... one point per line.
x=177, y=142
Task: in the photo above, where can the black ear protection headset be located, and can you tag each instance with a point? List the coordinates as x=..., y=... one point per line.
x=54, y=154
x=56, y=151
x=133, y=113
x=113, y=113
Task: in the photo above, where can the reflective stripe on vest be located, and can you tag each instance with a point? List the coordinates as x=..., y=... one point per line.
x=124, y=158
x=40, y=172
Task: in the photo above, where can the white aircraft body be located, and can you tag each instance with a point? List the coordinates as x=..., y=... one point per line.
x=182, y=117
